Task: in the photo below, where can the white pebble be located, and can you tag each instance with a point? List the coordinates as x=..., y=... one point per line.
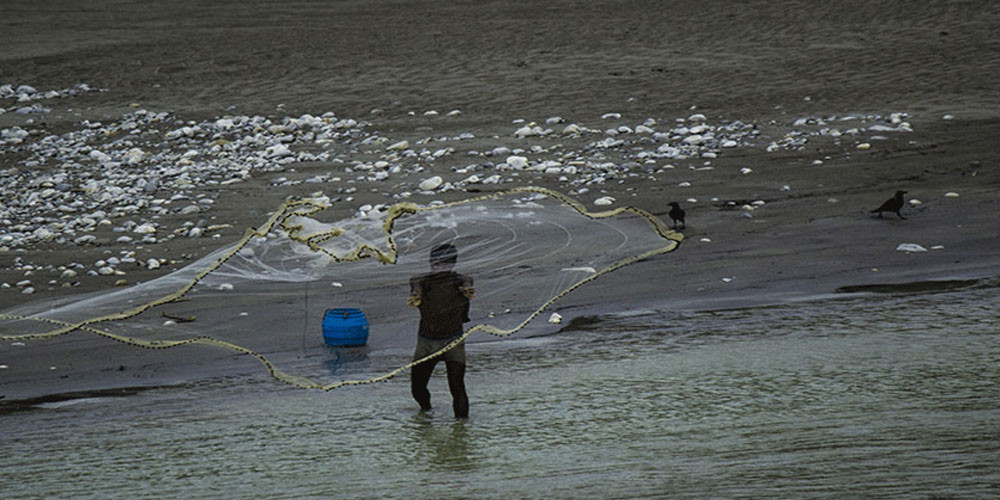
x=555, y=318
x=99, y=156
x=910, y=247
x=145, y=229
x=517, y=162
x=604, y=200
x=277, y=151
x=951, y=194
x=431, y=183
x=571, y=129
x=152, y=264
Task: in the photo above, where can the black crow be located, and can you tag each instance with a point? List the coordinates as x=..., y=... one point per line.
x=676, y=214
x=893, y=204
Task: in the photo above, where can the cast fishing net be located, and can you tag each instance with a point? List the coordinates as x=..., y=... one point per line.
x=266, y=295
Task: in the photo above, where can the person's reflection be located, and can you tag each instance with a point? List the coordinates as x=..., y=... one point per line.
x=442, y=445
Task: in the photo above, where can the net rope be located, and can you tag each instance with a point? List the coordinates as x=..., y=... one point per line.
x=365, y=240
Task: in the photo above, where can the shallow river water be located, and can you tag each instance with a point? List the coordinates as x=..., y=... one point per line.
x=856, y=397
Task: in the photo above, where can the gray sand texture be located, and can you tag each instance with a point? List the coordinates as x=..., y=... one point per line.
x=778, y=126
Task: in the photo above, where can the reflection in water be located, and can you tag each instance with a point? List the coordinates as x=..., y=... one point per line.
x=346, y=357
x=439, y=444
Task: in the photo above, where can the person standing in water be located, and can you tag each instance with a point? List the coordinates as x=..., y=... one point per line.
x=443, y=299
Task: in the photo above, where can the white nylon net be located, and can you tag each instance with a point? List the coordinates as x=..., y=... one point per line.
x=266, y=296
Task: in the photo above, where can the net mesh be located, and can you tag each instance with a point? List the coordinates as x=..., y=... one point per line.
x=266, y=295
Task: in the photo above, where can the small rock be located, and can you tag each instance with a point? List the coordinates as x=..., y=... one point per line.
x=555, y=318
x=277, y=151
x=431, y=183
x=517, y=162
x=910, y=247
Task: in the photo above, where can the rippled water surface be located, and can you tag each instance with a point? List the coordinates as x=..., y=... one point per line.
x=871, y=397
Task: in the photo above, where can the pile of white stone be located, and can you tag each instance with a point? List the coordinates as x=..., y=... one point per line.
x=144, y=165
x=26, y=95
x=126, y=174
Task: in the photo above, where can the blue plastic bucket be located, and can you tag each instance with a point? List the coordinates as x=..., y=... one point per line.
x=345, y=327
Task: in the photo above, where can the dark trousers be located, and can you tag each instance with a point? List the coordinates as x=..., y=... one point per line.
x=421, y=375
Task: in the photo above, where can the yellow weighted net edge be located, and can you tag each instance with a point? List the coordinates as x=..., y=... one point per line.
x=306, y=207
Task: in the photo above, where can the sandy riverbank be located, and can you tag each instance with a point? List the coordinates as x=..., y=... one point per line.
x=791, y=70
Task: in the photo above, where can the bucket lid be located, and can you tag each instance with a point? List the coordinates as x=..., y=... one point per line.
x=345, y=311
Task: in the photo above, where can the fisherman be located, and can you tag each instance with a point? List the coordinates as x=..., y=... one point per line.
x=443, y=299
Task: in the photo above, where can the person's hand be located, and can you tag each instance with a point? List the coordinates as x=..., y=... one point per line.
x=413, y=300
x=468, y=291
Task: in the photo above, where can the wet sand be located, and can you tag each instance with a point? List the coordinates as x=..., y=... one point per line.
x=767, y=63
